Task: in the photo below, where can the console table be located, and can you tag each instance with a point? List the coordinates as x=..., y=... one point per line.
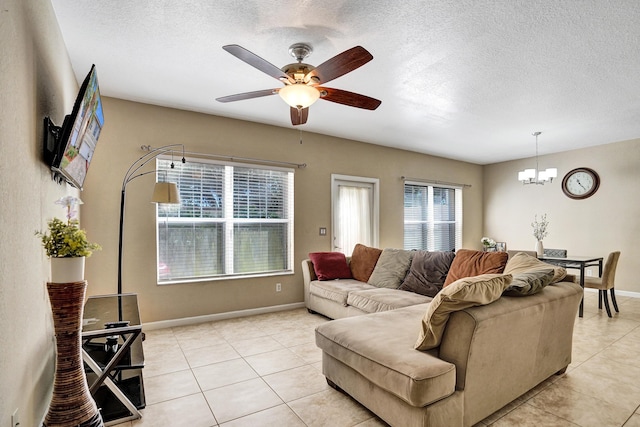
x=578, y=263
x=113, y=356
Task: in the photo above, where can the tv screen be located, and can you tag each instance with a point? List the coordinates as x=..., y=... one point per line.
x=69, y=148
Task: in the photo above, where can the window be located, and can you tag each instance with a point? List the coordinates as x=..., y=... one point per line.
x=233, y=221
x=354, y=206
x=432, y=217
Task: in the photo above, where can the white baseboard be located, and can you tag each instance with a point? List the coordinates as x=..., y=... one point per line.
x=161, y=324
x=185, y=321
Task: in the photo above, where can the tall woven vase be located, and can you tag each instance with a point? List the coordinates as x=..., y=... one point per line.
x=71, y=404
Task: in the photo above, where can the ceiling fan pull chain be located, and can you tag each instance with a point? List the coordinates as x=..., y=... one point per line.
x=300, y=136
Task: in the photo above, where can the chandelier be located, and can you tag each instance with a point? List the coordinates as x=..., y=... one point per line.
x=536, y=176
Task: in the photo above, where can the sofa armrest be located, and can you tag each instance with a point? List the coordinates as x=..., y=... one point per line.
x=309, y=275
x=515, y=342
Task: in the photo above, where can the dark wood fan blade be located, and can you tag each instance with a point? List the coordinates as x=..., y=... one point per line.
x=247, y=95
x=339, y=65
x=299, y=116
x=348, y=98
x=257, y=62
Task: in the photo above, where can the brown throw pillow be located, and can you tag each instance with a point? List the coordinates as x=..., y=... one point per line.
x=464, y=293
x=428, y=272
x=363, y=261
x=469, y=263
x=330, y=265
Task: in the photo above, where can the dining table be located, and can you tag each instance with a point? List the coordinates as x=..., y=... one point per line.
x=578, y=263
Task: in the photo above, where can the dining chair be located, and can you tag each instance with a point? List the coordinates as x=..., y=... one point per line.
x=556, y=253
x=606, y=282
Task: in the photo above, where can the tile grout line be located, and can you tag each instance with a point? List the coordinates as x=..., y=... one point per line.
x=261, y=377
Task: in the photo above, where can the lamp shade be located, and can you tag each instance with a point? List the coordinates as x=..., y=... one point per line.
x=552, y=172
x=166, y=192
x=299, y=95
x=527, y=174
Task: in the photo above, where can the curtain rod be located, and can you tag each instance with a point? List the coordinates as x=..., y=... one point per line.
x=433, y=181
x=230, y=158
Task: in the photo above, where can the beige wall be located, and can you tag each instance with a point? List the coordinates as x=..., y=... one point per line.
x=129, y=125
x=35, y=80
x=607, y=221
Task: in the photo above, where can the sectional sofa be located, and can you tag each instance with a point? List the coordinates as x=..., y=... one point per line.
x=451, y=359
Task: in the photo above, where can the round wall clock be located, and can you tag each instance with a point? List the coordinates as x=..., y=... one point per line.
x=580, y=183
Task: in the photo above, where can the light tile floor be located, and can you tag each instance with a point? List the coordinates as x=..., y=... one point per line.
x=265, y=370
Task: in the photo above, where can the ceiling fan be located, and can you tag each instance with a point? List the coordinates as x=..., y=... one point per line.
x=302, y=82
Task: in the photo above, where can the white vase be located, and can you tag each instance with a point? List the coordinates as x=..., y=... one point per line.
x=67, y=270
x=539, y=248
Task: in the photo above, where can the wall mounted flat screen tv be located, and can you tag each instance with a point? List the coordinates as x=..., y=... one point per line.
x=69, y=148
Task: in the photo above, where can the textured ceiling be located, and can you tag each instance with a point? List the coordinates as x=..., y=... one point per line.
x=464, y=79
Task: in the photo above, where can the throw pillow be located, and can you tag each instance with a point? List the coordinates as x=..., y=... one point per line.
x=529, y=283
x=363, y=261
x=521, y=263
x=391, y=268
x=463, y=293
x=468, y=263
x=428, y=272
x=330, y=265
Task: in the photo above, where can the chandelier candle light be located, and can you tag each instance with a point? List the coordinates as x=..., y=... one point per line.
x=536, y=176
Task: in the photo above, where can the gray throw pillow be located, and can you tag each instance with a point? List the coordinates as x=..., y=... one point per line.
x=391, y=268
x=428, y=272
x=529, y=283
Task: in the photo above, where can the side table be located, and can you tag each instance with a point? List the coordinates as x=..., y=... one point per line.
x=113, y=356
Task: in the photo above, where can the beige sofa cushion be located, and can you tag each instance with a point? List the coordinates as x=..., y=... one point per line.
x=461, y=294
x=522, y=263
x=385, y=355
x=336, y=290
x=383, y=299
x=391, y=268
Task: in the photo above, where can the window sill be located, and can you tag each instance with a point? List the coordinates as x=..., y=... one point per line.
x=221, y=278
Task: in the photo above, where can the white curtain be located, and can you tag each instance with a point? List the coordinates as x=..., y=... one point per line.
x=354, y=217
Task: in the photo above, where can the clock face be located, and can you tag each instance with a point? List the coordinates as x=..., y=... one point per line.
x=580, y=183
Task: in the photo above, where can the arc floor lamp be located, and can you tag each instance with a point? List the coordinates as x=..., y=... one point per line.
x=164, y=192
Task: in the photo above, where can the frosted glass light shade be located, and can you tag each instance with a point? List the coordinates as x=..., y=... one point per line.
x=526, y=174
x=552, y=172
x=299, y=95
x=166, y=192
x=548, y=174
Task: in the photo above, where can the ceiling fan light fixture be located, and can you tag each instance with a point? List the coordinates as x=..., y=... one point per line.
x=299, y=95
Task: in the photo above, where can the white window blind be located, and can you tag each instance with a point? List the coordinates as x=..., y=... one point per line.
x=233, y=221
x=432, y=217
